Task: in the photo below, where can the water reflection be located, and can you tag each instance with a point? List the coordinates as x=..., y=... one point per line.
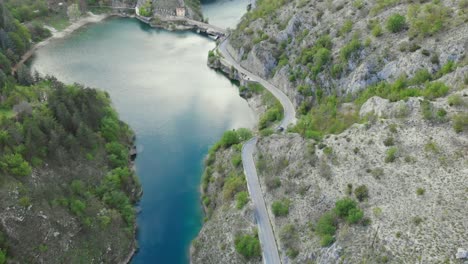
x=178, y=107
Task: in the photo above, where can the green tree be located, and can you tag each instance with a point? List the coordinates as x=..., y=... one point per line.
x=16, y=165
x=77, y=207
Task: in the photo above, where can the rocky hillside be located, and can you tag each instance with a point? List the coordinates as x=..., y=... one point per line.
x=375, y=169
x=67, y=188
x=310, y=48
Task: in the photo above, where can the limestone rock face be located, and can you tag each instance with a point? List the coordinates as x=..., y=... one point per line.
x=462, y=254
x=289, y=31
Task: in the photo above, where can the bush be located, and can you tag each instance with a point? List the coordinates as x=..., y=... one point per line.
x=354, y=215
x=236, y=160
x=391, y=155
x=326, y=240
x=232, y=185
x=346, y=28
x=146, y=10
x=348, y=50
x=396, y=23
x=376, y=30
x=3, y=256
x=421, y=76
x=326, y=225
x=248, y=246
x=229, y=138
x=460, y=122
x=435, y=89
x=24, y=201
x=344, y=206
x=427, y=19
x=446, y=68
x=288, y=235
x=242, y=199
x=16, y=165
x=361, y=193
x=455, y=100
x=280, y=208
x=389, y=142
x=420, y=191
x=77, y=207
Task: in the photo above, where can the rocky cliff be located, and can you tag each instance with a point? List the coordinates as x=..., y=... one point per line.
x=309, y=48
x=375, y=170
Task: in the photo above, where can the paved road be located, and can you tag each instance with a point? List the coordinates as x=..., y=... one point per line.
x=266, y=235
x=265, y=231
x=289, y=110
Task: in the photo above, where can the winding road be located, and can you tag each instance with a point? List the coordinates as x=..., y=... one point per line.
x=288, y=107
x=267, y=238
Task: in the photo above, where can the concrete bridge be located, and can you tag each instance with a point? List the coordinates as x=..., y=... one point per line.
x=165, y=15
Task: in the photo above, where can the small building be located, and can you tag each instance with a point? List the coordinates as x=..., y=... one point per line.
x=180, y=11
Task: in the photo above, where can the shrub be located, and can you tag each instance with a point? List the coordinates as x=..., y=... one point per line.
x=326, y=225
x=3, y=256
x=446, y=68
x=361, y=192
x=417, y=220
x=427, y=19
x=16, y=165
x=327, y=240
x=281, y=207
x=377, y=173
x=346, y=28
x=391, y=155
x=288, y=235
x=354, y=215
x=292, y=253
x=236, y=160
x=396, y=23
x=232, y=185
x=229, y=138
x=377, y=30
x=460, y=122
x=248, y=246
x=455, y=100
x=420, y=191
x=389, y=142
x=77, y=207
x=272, y=182
x=421, y=76
x=435, y=89
x=24, y=201
x=348, y=50
x=146, y=9
x=343, y=206
x=242, y=199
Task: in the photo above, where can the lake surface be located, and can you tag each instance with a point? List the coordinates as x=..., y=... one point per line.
x=178, y=107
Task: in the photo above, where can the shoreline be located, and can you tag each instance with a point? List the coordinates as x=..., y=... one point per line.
x=89, y=19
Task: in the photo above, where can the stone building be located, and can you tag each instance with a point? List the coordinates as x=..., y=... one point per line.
x=180, y=11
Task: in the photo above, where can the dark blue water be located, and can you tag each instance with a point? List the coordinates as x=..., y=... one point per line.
x=178, y=107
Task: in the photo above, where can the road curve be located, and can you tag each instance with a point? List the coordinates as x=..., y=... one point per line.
x=288, y=107
x=267, y=238
x=265, y=231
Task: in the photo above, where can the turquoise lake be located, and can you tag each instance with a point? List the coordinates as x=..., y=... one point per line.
x=178, y=107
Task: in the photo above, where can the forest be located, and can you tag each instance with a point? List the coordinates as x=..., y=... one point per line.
x=64, y=151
